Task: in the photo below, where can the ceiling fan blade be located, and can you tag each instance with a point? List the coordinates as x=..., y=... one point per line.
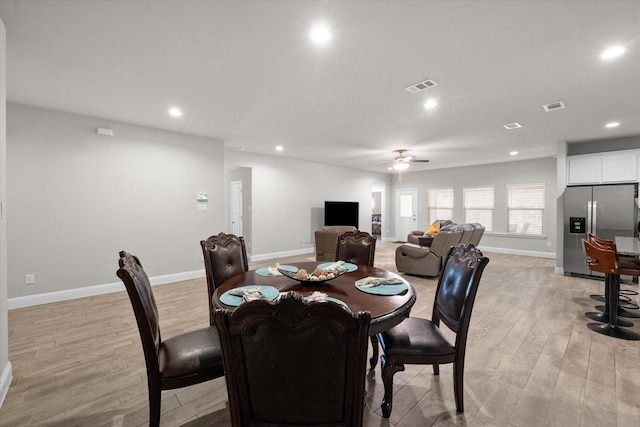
x=419, y=161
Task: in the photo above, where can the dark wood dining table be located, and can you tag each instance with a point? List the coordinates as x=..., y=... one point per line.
x=386, y=310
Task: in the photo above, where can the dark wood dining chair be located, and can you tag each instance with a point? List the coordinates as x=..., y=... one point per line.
x=180, y=361
x=359, y=247
x=421, y=341
x=356, y=247
x=224, y=255
x=291, y=362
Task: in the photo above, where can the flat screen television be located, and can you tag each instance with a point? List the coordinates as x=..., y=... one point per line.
x=341, y=213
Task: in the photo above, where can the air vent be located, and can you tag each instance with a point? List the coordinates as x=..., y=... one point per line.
x=419, y=87
x=512, y=126
x=554, y=106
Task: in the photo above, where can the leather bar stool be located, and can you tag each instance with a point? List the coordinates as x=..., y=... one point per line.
x=603, y=260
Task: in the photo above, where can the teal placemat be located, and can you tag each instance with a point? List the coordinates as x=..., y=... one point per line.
x=385, y=289
x=347, y=266
x=269, y=292
x=263, y=271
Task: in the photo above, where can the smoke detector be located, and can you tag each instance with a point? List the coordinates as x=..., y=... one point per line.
x=554, y=106
x=419, y=87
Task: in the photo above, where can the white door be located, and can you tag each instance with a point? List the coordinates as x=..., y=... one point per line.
x=406, y=212
x=236, y=207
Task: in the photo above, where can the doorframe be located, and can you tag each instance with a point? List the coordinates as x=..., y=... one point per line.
x=232, y=201
x=397, y=209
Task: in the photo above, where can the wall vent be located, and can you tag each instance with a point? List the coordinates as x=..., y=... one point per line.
x=419, y=87
x=554, y=106
x=512, y=126
x=104, y=132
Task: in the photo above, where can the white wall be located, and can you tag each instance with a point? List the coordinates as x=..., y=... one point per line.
x=288, y=199
x=498, y=175
x=5, y=365
x=76, y=199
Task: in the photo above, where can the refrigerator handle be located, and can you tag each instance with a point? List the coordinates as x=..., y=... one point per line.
x=589, y=228
x=595, y=217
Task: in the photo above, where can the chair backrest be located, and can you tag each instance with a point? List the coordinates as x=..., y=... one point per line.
x=144, y=307
x=357, y=247
x=592, y=238
x=467, y=233
x=294, y=362
x=477, y=233
x=225, y=255
x=600, y=258
x=457, y=288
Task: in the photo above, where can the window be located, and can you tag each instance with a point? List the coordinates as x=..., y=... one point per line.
x=525, y=208
x=478, y=206
x=441, y=204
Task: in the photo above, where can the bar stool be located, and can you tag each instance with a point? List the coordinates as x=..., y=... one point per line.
x=603, y=260
x=623, y=295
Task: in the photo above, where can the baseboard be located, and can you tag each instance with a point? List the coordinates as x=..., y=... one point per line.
x=5, y=381
x=551, y=255
x=88, y=291
x=284, y=254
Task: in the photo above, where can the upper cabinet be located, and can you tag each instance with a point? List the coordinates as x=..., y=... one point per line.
x=600, y=168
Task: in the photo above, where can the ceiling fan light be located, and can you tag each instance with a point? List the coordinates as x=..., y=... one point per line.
x=400, y=166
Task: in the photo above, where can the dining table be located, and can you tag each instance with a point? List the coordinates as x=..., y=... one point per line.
x=388, y=304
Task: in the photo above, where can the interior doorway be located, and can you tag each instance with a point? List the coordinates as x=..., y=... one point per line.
x=235, y=192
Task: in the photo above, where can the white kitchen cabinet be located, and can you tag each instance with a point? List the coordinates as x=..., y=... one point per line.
x=604, y=168
x=621, y=167
x=584, y=169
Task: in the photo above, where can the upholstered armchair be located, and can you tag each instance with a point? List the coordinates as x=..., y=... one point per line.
x=327, y=239
x=428, y=261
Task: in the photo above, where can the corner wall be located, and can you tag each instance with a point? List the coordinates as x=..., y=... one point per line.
x=77, y=199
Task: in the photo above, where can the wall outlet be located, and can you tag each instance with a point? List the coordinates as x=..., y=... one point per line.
x=29, y=279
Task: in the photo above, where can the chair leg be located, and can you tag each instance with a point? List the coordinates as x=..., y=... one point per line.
x=436, y=369
x=388, y=371
x=458, y=381
x=155, y=399
x=374, y=357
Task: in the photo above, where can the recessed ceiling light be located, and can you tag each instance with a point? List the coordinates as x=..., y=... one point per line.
x=279, y=148
x=175, y=112
x=513, y=153
x=511, y=126
x=430, y=104
x=320, y=34
x=612, y=125
x=613, y=52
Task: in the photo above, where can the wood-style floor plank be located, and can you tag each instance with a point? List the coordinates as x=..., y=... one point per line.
x=531, y=360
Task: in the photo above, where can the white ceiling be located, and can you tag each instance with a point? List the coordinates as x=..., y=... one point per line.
x=245, y=72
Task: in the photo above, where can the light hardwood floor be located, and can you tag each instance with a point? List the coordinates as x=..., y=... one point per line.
x=531, y=360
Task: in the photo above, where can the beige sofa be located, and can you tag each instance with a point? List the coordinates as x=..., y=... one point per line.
x=427, y=261
x=327, y=241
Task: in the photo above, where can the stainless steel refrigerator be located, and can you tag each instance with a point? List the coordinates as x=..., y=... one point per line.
x=604, y=210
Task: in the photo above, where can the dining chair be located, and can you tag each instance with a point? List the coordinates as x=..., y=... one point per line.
x=356, y=247
x=182, y=360
x=422, y=341
x=224, y=255
x=292, y=362
x=359, y=247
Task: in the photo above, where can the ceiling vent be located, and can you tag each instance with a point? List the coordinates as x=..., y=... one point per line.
x=419, y=87
x=553, y=106
x=512, y=126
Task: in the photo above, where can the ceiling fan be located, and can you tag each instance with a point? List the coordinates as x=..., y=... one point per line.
x=401, y=162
